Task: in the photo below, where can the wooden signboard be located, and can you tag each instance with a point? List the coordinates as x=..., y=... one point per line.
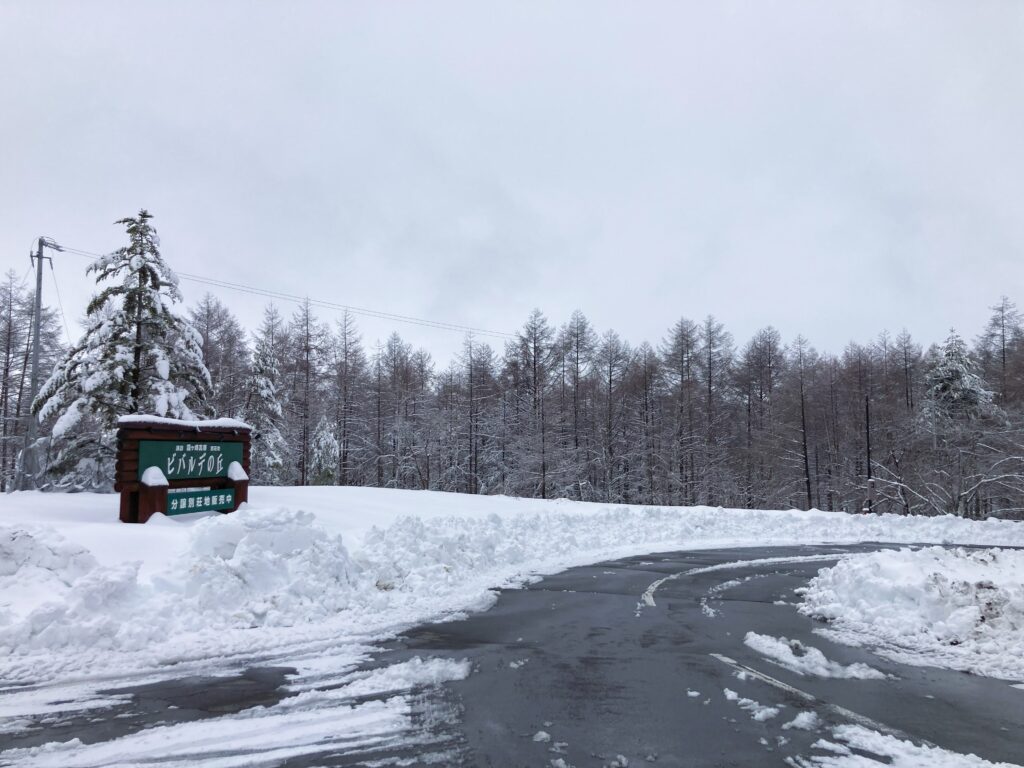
x=179, y=467
x=190, y=460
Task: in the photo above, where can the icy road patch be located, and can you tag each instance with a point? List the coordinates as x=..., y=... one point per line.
x=359, y=713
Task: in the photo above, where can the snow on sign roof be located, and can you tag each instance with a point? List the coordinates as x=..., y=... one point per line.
x=222, y=423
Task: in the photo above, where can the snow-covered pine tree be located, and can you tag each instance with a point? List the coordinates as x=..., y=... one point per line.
x=263, y=411
x=137, y=356
x=323, y=462
x=954, y=390
x=970, y=467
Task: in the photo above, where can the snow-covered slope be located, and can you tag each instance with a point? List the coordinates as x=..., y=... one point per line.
x=82, y=594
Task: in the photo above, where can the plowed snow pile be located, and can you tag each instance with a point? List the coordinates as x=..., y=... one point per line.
x=81, y=594
x=954, y=608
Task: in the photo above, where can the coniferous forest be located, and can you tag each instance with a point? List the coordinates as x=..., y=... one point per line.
x=563, y=409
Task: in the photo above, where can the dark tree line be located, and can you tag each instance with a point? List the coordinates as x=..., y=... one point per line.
x=557, y=411
x=569, y=412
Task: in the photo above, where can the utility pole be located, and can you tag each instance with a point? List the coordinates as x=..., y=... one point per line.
x=28, y=467
x=869, y=505
x=33, y=423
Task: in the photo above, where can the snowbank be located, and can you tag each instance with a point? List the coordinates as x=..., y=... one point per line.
x=83, y=594
x=260, y=568
x=958, y=609
x=35, y=569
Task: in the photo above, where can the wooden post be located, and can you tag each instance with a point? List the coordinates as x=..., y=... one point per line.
x=152, y=499
x=129, y=507
x=241, y=493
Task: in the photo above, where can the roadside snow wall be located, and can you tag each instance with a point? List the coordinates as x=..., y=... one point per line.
x=262, y=580
x=953, y=608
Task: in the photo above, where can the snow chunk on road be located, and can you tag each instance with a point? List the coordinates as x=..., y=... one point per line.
x=805, y=721
x=892, y=751
x=959, y=609
x=804, y=660
x=757, y=711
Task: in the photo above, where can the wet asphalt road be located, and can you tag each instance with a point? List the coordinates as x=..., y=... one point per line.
x=606, y=679
x=580, y=657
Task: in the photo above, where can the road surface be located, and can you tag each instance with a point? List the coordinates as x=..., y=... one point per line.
x=623, y=662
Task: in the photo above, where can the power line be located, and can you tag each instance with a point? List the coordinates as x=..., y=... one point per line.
x=363, y=311
x=60, y=303
x=332, y=305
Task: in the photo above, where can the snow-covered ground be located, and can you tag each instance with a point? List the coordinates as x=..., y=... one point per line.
x=81, y=593
x=953, y=608
x=316, y=576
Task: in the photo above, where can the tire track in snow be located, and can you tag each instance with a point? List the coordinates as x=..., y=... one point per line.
x=647, y=598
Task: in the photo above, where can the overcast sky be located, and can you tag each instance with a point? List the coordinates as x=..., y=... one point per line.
x=832, y=169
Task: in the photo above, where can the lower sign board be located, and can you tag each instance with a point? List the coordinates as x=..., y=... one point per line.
x=183, y=502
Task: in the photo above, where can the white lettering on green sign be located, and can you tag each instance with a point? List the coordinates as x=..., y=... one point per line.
x=183, y=502
x=188, y=460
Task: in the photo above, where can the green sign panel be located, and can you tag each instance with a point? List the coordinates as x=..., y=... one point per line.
x=188, y=461
x=183, y=502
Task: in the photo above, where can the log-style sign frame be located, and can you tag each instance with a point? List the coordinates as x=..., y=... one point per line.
x=142, y=497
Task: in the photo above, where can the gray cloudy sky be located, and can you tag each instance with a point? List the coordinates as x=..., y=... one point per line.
x=829, y=168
